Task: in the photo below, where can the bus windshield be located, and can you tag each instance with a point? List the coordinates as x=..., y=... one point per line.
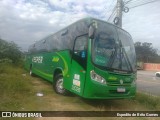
x=114, y=49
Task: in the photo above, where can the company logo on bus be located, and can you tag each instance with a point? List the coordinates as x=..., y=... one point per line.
x=37, y=59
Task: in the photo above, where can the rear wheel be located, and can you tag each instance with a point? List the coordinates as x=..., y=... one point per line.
x=58, y=85
x=30, y=71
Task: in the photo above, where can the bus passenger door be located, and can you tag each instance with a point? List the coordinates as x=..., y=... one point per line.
x=79, y=65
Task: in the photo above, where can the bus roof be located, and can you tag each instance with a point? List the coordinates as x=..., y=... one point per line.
x=75, y=29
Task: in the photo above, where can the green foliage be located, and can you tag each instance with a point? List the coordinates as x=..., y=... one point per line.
x=146, y=53
x=9, y=51
x=16, y=92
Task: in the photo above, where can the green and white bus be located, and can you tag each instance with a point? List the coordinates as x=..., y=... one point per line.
x=91, y=58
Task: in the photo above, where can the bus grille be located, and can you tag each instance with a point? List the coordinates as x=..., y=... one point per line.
x=114, y=83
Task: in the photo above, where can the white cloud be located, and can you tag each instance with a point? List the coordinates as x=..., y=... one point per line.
x=26, y=21
x=143, y=23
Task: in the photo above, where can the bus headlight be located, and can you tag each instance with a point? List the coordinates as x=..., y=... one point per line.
x=96, y=77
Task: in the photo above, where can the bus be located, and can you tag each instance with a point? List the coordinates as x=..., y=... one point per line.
x=90, y=58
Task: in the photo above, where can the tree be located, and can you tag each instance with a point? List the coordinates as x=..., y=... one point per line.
x=146, y=53
x=10, y=50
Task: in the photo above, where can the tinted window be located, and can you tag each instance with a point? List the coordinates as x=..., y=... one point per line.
x=80, y=50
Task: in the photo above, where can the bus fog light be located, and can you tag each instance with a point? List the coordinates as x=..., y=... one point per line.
x=96, y=77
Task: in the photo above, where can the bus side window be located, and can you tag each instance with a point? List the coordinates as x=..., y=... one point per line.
x=80, y=47
x=80, y=51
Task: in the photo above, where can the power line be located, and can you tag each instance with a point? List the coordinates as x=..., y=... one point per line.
x=137, y=2
x=126, y=2
x=114, y=9
x=109, y=8
x=114, y=15
x=144, y=3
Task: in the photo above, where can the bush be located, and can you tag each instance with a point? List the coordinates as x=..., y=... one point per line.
x=10, y=51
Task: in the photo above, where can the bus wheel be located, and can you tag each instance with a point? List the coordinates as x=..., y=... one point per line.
x=30, y=72
x=58, y=86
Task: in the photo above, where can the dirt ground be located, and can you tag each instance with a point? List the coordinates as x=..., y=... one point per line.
x=50, y=101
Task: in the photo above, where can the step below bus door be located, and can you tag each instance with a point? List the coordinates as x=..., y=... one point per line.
x=79, y=65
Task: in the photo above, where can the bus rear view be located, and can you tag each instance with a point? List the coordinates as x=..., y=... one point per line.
x=91, y=58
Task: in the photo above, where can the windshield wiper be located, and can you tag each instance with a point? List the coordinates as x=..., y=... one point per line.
x=111, y=59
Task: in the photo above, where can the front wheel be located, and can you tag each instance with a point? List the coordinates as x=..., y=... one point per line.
x=58, y=86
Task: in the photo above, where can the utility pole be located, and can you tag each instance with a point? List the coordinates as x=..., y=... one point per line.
x=118, y=18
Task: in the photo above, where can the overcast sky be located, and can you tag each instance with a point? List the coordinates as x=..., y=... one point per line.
x=27, y=21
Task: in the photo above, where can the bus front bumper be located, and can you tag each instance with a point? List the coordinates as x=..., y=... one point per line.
x=100, y=91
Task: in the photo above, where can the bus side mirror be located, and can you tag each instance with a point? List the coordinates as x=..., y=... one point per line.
x=91, y=32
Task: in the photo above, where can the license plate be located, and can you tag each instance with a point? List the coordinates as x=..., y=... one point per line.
x=121, y=90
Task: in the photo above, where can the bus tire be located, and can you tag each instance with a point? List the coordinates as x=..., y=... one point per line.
x=30, y=71
x=58, y=85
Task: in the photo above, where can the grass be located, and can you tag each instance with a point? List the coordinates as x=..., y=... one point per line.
x=149, y=101
x=18, y=93
x=15, y=87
